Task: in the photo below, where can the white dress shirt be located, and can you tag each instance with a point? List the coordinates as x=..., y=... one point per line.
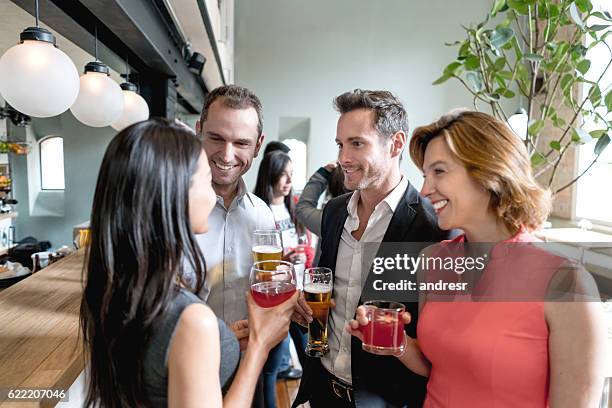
x=227, y=251
x=348, y=283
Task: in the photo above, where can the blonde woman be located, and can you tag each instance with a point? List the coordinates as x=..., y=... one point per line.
x=498, y=353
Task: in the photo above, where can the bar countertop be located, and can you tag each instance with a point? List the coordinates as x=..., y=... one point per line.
x=40, y=346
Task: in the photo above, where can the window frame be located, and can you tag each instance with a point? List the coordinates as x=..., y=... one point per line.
x=40, y=165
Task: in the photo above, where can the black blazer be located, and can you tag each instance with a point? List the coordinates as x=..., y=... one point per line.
x=383, y=378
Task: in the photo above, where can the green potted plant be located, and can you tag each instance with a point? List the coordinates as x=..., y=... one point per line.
x=533, y=53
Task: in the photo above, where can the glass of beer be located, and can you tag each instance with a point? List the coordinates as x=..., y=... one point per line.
x=384, y=333
x=318, y=285
x=272, y=282
x=267, y=246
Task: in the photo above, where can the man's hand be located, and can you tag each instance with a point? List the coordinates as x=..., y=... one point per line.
x=241, y=330
x=302, y=313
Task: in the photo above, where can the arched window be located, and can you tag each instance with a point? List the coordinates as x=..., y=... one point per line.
x=52, y=163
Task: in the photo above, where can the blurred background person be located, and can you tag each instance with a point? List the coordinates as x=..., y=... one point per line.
x=274, y=187
x=328, y=179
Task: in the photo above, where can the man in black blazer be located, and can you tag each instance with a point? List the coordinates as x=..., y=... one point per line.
x=371, y=135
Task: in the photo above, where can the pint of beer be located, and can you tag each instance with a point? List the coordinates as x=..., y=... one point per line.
x=267, y=247
x=318, y=285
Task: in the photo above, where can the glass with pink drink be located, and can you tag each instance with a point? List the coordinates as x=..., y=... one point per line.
x=272, y=282
x=384, y=333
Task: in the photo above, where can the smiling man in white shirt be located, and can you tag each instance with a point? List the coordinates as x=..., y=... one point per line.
x=231, y=126
x=384, y=207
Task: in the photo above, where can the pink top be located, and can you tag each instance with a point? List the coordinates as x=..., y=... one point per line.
x=492, y=353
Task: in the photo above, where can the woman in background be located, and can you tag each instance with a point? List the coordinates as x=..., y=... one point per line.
x=274, y=187
x=329, y=179
x=151, y=342
x=501, y=352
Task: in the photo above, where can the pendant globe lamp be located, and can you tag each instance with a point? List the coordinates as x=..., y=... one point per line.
x=36, y=78
x=100, y=100
x=135, y=108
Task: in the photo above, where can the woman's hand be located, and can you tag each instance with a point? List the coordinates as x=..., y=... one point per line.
x=331, y=166
x=241, y=330
x=269, y=325
x=355, y=326
x=294, y=256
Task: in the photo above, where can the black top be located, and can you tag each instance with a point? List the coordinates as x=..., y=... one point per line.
x=156, y=355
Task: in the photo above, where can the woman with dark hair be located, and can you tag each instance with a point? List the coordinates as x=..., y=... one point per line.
x=274, y=187
x=151, y=342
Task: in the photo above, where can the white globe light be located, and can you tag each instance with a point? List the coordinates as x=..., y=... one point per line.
x=135, y=109
x=100, y=100
x=38, y=79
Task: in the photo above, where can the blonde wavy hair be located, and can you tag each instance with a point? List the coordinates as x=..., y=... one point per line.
x=495, y=158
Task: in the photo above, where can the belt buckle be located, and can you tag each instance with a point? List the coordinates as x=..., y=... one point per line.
x=345, y=393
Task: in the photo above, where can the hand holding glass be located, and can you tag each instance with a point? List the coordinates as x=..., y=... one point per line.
x=384, y=332
x=272, y=282
x=318, y=285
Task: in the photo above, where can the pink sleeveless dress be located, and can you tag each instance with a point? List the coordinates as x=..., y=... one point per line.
x=492, y=354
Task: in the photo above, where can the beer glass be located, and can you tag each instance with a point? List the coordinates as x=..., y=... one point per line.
x=384, y=333
x=267, y=246
x=318, y=285
x=272, y=282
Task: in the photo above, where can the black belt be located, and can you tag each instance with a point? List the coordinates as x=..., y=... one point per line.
x=342, y=389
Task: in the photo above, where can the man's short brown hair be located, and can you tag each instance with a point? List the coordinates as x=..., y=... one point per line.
x=391, y=117
x=235, y=97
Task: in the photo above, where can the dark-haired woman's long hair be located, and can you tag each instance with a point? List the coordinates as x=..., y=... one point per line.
x=270, y=171
x=141, y=239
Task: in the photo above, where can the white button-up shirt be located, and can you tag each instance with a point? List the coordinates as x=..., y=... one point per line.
x=227, y=251
x=348, y=276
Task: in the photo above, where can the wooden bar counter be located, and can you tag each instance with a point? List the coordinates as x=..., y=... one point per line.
x=40, y=345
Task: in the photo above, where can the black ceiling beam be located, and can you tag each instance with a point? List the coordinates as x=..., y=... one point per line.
x=142, y=29
x=72, y=20
x=126, y=28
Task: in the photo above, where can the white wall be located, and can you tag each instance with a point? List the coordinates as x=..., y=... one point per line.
x=297, y=55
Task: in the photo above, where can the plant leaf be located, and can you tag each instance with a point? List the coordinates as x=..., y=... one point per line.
x=533, y=57
x=581, y=136
x=472, y=62
x=595, y=96
x=584, y=5
x=596, y=134
x=602, y=143
x=498, y=6
x=452, y=68
x=608, y=101
x=501, y=36
x=475, y=79
x=556, y=145
x=598, y=27
x=583, y=66
x=519, y=6
x=442, y=79
x=575, y=15
x=535, y=127
x=567, y=81
x=537, y=159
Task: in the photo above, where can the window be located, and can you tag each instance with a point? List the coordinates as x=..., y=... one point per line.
x=299, y=159
x=52, y=163
x=593, y=195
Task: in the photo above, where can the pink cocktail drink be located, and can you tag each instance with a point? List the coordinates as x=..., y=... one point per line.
x=272, y=293
x=384, y=333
